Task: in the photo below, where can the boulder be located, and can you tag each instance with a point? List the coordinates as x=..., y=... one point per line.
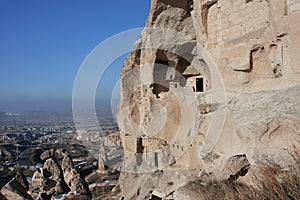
x=54, y=178
x=236, y=166
x=22, y=180
x=72, y=177
x=48, y=154
x=51, y=168
x=14, y=190
x=77, y=183
x=37, y=178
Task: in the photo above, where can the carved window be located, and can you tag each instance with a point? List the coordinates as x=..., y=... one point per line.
x=199, y=85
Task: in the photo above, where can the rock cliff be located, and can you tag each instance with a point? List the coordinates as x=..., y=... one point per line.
x=210, y=91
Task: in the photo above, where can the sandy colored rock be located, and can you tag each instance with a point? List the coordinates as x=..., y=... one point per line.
x=22, y=180
x=101, y=165
x=47, y=154
x=52, y=168
x=14, y=190
x=52, y=178
x=72, y=178
x=37, y=178
x=221, y=91
x=235, y=167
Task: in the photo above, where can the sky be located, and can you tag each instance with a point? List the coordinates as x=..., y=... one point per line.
x=44, y=42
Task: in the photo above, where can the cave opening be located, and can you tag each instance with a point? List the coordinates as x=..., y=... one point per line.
x=199, y=85
x=160, y=73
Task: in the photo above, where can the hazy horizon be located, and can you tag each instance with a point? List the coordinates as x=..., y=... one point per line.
x=43, y=45
x=58, y=105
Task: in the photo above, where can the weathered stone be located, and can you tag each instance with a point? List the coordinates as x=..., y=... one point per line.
x=44, y=196
x=236, y=166
x=172, y=87
x=54, y=180
x=52, y=168
x=61, y=187
x=101, y=165
x=103, y=154
x=14, y=190
x=76, y=197
x=48, y=154
x=37, y=178
x=67, y=163
x=72, y=178
x=22, y=180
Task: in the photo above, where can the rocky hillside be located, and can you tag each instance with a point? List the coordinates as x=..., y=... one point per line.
x=62, y=177
x=210, y=92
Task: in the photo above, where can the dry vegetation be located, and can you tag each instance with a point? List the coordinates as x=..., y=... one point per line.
x=273, y=183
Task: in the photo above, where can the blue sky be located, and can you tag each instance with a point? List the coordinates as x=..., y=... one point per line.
x=43, y=43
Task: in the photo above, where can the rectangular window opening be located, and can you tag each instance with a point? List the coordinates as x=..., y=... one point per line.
x=199, y=85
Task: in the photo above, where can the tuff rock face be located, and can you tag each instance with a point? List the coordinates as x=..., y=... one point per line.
x=211, y=86
x=72, y=177
x=54, y=178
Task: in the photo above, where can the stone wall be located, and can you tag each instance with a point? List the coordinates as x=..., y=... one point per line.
x=229, y=20
x=235, y=32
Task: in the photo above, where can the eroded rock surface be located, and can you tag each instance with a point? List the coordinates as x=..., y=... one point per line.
x=14, y=190
x=211, y=86
x=56, y=179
